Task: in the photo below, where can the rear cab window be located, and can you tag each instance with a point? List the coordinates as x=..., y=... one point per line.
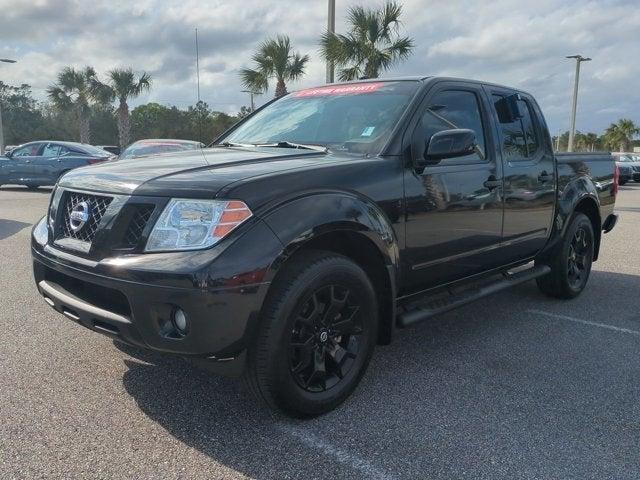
x=519, y=138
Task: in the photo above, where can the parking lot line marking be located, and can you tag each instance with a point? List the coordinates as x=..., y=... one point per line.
x=585, y=322
x=339, y=454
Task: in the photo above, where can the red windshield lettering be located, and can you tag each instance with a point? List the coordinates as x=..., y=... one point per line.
x=340, y=90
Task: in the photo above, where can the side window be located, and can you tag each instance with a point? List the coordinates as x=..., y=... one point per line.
x=27, y=150
x=455, y=109
x=50, y=150
x=519, y=138
x=65, y=151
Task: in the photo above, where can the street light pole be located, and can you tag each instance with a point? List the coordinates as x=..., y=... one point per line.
x=4, y=60
x=574, y=106
x=331, y=28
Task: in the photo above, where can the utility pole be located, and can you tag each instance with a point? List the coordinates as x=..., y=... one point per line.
x=574, y=106
x=197, y=65
x=251, y=93
x=198, y=84
x=4, y=60
x=331, y=28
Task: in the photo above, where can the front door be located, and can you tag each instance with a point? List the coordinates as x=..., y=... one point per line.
x=529, y=175
x=20, y=166
x=454, y=206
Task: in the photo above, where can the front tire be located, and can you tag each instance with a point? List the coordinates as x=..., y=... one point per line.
x=316, y=336
x=571, y=263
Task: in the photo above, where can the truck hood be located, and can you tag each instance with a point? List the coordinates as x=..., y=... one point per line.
x=192, y=174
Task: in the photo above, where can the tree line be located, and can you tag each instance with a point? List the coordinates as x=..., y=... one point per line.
x=618, y=137
x=26, y=119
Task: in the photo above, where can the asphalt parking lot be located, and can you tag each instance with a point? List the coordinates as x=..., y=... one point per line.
x=513, y=386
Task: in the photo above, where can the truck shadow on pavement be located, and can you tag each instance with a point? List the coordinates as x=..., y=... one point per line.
x=26, y=190
x=9, y=228
x=501, y=391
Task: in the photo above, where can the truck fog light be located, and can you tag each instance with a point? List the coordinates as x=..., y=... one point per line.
x=180, y=320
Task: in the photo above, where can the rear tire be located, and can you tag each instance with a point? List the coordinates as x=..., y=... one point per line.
x=571, y=263
x=317, y=332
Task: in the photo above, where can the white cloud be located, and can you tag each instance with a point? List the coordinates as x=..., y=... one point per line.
x=504, y=41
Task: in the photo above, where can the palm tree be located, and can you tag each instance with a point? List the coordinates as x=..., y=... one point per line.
x=73, y=92
x=620, y=134
x=274, y=59
x=372, y=45
x=591, y=140
x=122, y=86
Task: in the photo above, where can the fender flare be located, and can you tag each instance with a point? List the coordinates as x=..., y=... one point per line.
x=578, y=191
x=298, y=220
x=308, y=217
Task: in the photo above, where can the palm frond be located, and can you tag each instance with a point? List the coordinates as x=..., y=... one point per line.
x=59, y=98
x=350, y=73
x=274, y=58
x=389, y=19
x=296, y=65
x=254, y=80
x=372, y=44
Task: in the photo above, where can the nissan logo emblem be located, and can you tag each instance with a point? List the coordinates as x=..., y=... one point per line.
x=79, y=216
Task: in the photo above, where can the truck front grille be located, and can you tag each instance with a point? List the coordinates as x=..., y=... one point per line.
x=97, y=205
x=136, y=226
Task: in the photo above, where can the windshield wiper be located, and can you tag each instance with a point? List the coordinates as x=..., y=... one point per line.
x=234, y=144
x=285, y=144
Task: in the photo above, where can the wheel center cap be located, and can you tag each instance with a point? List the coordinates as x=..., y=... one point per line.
x=324, y=336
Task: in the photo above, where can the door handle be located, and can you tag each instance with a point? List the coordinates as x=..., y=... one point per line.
x=545, y=177
x=492, y=182
x=27, y=161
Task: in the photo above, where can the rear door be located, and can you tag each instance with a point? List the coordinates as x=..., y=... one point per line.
x=47, y=164
x=454, y=206
x=529, y=176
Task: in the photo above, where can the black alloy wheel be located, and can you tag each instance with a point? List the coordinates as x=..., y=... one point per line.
x=326, y=338
x=570, y=261
x=579, y=257
x=317, y=332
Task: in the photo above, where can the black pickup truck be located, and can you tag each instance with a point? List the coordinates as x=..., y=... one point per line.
x=318, y=225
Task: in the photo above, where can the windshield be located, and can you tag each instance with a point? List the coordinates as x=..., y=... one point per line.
x=144, y=148
x=357, y=117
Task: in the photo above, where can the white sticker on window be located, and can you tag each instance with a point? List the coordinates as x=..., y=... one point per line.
x=367, y=131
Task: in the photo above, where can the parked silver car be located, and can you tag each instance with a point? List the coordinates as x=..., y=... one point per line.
x=628, y=162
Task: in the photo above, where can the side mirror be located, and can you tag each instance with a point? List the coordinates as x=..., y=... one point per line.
x=8, y=154
x=450, y=143
x=508, y=109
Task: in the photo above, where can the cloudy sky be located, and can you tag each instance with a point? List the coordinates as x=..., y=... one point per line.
x=512, y=42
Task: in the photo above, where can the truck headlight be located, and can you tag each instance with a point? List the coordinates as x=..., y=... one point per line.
x=195, y=224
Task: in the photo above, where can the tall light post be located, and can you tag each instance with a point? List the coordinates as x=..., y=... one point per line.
x=4, y=60
x=574, y=106
x=331, y=28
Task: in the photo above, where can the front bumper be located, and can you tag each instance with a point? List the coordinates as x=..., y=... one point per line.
x=135, y=303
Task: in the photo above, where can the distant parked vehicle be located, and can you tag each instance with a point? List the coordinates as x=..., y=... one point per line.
x=110, y=148
x=155, y=146
x=630, y=160
x=37, y=164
